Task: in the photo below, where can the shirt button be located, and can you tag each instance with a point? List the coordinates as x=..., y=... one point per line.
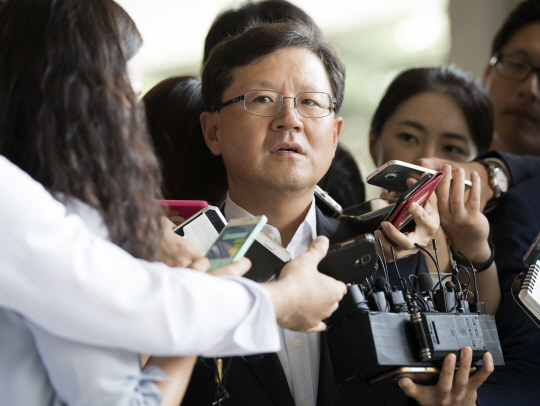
x=305, y=402
x=297, y=343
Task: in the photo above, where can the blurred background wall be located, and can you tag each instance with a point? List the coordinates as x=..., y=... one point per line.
x=378, y=39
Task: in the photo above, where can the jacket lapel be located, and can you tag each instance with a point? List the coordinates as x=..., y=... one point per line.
x=270, y=374
x=328, y=390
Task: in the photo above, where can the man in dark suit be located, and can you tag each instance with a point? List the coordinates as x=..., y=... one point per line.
x=271, y=98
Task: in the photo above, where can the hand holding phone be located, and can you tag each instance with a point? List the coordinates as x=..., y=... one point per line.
x=419, y=193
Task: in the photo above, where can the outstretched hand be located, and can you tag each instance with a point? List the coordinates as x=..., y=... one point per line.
x=454, y=388
x=303, y=296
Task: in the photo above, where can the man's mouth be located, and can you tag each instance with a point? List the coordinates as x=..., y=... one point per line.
x=287, y=148
x=524, y=114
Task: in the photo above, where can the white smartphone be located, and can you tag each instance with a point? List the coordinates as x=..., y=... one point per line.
x=393, y=175
x=234, y=240
x=267, y=258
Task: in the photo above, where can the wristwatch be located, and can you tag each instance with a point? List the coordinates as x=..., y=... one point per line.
x=498, y=179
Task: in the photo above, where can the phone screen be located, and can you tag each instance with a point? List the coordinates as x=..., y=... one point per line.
x=229, y=244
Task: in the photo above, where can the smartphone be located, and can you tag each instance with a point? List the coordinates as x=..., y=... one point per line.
x=326, y=204
x=267, y=258
x=371, y=219
x=406, y=197
x=234, y=240
x=203, y=228
x=352, y=260
x=368, y=206
x=393, y=175
x=420, y=375
x=179, y=211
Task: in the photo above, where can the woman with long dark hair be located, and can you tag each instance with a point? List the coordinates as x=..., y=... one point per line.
x=70, y=118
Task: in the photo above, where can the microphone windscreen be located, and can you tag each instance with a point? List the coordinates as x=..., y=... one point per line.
x=425, y=282
x=380, y=284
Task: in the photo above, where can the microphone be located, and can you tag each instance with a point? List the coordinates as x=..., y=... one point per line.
x=377, y=297
x=438, y=300
x=425, y=284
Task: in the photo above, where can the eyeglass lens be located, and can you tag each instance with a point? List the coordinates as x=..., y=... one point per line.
x=514, y=69
x=269, y=103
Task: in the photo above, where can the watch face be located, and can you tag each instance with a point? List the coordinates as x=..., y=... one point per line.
x=502, y=181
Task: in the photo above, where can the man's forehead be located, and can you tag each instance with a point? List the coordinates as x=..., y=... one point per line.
x=525, y=41
x=294, y=67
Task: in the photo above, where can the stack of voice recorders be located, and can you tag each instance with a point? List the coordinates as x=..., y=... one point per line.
x=381, y=332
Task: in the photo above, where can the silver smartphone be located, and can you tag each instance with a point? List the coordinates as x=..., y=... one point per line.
x=234, y=241
x=393, y=175
x=267, y=258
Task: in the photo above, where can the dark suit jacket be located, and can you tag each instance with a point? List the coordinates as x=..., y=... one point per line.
x=260, y=380
x=514, y=225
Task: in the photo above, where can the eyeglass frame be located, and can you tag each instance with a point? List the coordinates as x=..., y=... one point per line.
x=243, y=97
x=497, y=59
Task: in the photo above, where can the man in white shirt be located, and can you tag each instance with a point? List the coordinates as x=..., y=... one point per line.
x=271, y=97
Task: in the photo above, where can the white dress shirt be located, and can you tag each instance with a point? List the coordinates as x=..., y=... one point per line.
x=300, y=352
x=79, y=286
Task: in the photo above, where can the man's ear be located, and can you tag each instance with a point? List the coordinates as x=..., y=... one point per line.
x=373, y=139
x=210, y=129
x=485, y=74
x=338, y=126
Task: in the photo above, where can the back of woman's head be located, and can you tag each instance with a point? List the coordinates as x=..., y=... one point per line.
x=190, y=170
x=466, y=92
x=68, y=114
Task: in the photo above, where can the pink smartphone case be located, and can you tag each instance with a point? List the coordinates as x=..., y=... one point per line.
x=401, y=218
x=179, y=211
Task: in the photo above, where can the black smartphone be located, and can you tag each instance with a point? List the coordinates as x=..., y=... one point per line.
x=352, y=260
x=267, y=258
x=371, y=219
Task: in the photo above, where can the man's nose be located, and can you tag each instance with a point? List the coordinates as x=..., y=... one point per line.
x=531, y=86
x=288, y=117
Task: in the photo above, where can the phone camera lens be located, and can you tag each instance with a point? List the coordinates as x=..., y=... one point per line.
x=390, y=176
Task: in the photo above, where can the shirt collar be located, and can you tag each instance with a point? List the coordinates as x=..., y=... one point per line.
x=307, y=230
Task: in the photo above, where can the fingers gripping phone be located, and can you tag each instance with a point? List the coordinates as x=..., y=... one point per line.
x=393, y=175
x=234, y=240
x=419, y=193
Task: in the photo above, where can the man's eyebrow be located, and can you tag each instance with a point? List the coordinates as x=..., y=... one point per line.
x=266, y=85
x=519, y=52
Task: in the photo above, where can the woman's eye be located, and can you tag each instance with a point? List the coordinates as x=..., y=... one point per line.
x=453, y=149
x=407, y=137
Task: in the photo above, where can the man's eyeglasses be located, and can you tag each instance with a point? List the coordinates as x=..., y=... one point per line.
x=267, y=103
x=513, y=68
